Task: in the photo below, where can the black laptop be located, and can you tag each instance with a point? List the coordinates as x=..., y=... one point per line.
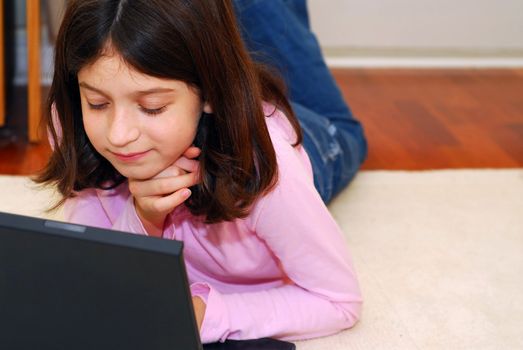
x=65, y=286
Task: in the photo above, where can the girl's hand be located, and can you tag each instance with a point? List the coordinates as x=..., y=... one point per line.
x=199, y=310
x=156, y=197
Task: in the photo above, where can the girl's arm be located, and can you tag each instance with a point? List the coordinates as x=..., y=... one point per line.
x=322, y=296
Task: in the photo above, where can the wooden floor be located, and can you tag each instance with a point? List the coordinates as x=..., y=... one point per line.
x=433, y=119
x=414, y=119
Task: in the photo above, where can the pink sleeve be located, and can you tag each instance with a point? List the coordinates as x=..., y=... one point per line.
x=322, y=296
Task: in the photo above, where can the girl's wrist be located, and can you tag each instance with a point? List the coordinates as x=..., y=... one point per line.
x=153, y=225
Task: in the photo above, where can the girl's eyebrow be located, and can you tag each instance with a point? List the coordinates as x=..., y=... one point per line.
x=89, y=87
x=155, y=90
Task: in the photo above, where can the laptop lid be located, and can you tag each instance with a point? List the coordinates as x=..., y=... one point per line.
x=65, y=286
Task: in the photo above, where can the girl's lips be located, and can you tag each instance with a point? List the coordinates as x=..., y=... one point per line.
x=129, y=157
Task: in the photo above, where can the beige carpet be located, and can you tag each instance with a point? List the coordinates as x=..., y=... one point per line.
x=439, y=256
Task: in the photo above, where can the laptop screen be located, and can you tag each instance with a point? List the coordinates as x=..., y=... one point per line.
x=65, y=286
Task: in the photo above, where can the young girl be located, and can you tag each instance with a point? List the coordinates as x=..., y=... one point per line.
x=163, y=126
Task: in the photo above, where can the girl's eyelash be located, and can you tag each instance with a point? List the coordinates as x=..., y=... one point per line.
x=97, y=106
x=152, y=111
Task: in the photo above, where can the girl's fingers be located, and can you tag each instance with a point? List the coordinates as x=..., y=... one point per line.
x=184, y=164
x=187, y=161
x=187, y=164
x=162, y=186
x=192, y=152
x=168, y=203
x=171, y=171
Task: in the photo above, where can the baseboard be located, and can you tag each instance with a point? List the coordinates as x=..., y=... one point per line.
x=424, y=62
x=403, y=57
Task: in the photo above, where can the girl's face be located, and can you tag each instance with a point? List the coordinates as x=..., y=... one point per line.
x=141, y=124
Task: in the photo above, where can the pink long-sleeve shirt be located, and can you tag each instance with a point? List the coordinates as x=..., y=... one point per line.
x=284, y=271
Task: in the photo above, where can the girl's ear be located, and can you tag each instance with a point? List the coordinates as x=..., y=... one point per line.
x=207, y=108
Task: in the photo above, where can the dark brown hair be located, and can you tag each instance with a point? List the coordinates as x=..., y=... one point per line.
x=195, y=41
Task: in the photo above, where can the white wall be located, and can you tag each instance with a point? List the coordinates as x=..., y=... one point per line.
x=451, y=27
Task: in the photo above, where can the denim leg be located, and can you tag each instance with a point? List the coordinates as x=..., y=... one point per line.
x=334, y=154
x=277, y=32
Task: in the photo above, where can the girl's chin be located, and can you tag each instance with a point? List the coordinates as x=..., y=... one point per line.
x=138, y=174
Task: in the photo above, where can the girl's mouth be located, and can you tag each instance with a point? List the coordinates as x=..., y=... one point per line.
x=130, y=157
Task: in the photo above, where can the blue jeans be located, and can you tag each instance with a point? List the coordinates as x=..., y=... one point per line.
x=277, y=32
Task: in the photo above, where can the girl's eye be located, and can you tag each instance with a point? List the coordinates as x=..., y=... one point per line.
x=152, y=111
x=97, y=106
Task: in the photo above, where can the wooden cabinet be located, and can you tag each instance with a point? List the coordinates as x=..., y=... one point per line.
x=34, y=89
x=34, y=99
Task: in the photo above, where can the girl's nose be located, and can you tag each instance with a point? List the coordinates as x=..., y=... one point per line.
x=123, y=128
